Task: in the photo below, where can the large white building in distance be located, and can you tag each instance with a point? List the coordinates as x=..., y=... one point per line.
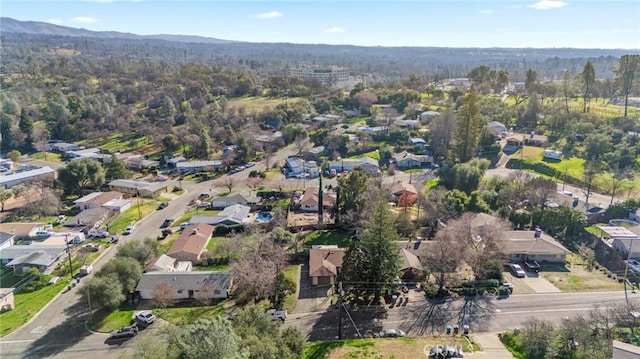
x=336, y=76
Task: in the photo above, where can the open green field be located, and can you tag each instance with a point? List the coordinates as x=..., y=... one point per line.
x=373, y=154
x=291, y=273
x=259, y=103
x=106, y=322
x=27, y=305
x=181, y=315
x=118, y=223
x=340, y=239
x=50, y=156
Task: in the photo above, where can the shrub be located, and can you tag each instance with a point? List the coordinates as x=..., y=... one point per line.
x=222, y=229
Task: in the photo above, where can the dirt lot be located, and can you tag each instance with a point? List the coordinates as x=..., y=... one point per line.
x=398, y=348
x=305, y=219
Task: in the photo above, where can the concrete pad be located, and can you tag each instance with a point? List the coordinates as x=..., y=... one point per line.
x=539, y=284
x=491, y=346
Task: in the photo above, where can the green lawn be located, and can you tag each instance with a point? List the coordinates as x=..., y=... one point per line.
x=214, y=242
x=432, y=183
x=106, y=322
x=118, y=223
x=50, y=156
x=188, y=315
x=215, y=268
x=186, y=217
x=340, y=239
x=27, y=305
x=291, y=273
x=373, y=154
x=413, y=170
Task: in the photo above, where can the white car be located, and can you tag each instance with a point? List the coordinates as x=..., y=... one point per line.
x=517, y=270
x=392, y=333
x=146, y=317
x=129, y=230
x=277, y=314
x=184, y=225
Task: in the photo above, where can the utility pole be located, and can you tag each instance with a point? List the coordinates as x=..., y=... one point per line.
x=340, y=294
x=66, y=237
x=138, y=201
x=626, y=272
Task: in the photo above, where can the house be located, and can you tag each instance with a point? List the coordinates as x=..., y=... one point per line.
x=406, y=160
x=552, y=155
x=21, y=230
x=324, y=264
x=118, y=205
x=97, y=199
x=226, y=201
x=6, y=299
x=408, y=124
x=622, y=350
x=419, y=142
x=622, y=239
x=24, y=257
x=369, y=165
x=82, y=153
x=233, y=215
x=309, y=200
x=531, y=139
x=295, y=166
x=139, y=162
x=187, y=285
x=25, y=176
x=497, y=128
x=63, y=147
x=7, y=239
x=269, y=138
x=375, y=129
x=198, y=166
x=191, y=243
x=145, y=189
x=400, y=188
x=172, y=162
x=429, y=115
x=90, y=218
x=410, y=265
x=314, y=152
x=164, y=263
x=532, y=245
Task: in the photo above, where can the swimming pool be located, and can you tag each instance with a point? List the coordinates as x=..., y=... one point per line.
x=264, y=217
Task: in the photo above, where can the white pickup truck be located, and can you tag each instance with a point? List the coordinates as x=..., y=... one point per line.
x=277, y=314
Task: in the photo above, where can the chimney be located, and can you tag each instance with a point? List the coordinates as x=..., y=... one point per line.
x=195, y=231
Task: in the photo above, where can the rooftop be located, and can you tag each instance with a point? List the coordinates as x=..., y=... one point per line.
x=193, y=239
x=324, y=261
x=186, y=280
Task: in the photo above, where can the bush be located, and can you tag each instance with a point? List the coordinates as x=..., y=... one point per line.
x=222, y=229
x=487, y=283
x=503, y=291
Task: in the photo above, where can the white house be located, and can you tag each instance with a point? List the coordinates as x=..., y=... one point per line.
x=187, y=285
x=368, y=164
x=198, y=166
x=497, y=128
x=233, y=215
x=145, y=189
x=97, y=199
x=24, y=257
x=623, y=240
x=552, y=154
x=429, y=115
x=165, y=263
x=15, y=178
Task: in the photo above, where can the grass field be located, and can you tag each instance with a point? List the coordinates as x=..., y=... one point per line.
x=105, y=322
x=340, y=239
x=259, y=103
x=118, y=223
x=398, y=348
x=188, y=315
x=291, y=273
x=574, y=277
x=27, y=305
x=50, y=156
x=373, y=154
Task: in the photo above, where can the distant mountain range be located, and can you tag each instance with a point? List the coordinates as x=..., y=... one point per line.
x=9, y=25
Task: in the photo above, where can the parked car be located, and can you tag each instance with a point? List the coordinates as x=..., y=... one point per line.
x=42, y=234
x=392, y=333
x=250, y=164
x=509, y=286
x=532, y=266
x=91, y=247
x=98, y=234
x=184, y=225
x=167, y=222
x=165, y=232
x=125, y=332
x=129, y=230
x=517, y=271
x=277, y=314
x=163, y=205
x=86, y=269
x=114, y=240
x=61, y=218
x=146, y=317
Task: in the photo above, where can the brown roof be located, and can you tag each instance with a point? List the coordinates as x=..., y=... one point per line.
x=409, y=260
x=193, y=239
x=324, y=262
x=310, y=197
x=105, y=197
x=18, y=229
x=524, y=242
x=400, y=187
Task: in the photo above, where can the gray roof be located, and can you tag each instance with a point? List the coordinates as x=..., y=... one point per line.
x=186, y=280
x=232, y=199
x=234, y=214
x=198, y=164
x=129, y=183
x=88, y=217
x=31, y=254
x=15, y=176
x=524, y=242
x=5, y=237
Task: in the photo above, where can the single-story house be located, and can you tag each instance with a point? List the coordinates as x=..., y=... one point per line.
x=497, y=128
x=118, y=205
x=172, y=162
x=90, y=218
x=191, y=243
x=314, y=152
x=24, y=257
x=407, y=160
x=139, y=162
x=400, y=188
x=375, y=129
x=368, y=164
x=164, y=263
x=622, y=239
x=198, y=166
x=552, y=154
x=226, y=201
x=531, y=139
x=97, y=199
x=63, y=147
x=324, y=264
x=16, y=178
x=82, y=153
x=187, y=285
x=417, y=142
x=410, y=124
x=145, y=189
x=21, y=230
x=269, y=138
x=410, y=265
x=532, y=245
x=327, y=118
x=230, y=216
x=309, y=200
x=429, y=115
x=6, y=299
x=7, y=239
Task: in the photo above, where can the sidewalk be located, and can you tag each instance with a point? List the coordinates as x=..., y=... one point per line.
x=491, y=346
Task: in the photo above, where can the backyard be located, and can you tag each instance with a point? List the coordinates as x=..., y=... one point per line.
x=326, y=237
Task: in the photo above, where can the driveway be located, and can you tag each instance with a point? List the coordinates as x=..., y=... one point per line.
x=311, y=298
x=539, y=284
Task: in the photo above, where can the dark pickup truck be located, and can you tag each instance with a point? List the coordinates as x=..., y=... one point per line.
x=532, y=266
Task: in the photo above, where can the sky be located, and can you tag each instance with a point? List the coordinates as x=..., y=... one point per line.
x=605, y=24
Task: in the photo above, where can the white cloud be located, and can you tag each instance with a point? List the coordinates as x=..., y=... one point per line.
x=548, y=4
x=486, y=12
x=85, y=19
x=512, y=6
x=269, y=15
x=54, y=21
x=334, y=30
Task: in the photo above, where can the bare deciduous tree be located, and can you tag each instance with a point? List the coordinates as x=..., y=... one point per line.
x=442, y=260
x=255, y=272
x=163, y=295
